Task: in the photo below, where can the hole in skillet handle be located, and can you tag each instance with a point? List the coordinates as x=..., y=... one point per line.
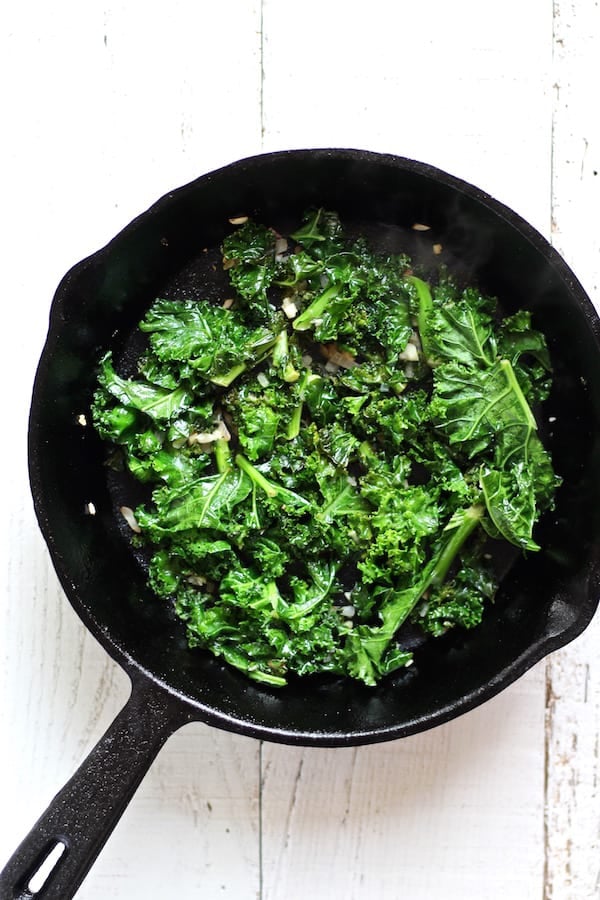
x=45, y=867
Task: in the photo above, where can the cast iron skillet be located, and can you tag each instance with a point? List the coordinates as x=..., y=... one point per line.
x=545, y=600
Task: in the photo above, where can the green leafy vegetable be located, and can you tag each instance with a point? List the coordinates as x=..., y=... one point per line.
x=328, y=454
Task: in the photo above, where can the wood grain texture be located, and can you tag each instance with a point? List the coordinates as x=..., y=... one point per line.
x=110, y=107
x=573, y=674
x=107, y=107
x=429, y=816
x=435, y=815
x=455, y=85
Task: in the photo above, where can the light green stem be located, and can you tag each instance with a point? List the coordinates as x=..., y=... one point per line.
x=509, y=374
x=458, y=537
x=425, y=309
x=281, y=358
x=316, y=308
x=257, y=477
x=222, y=455
x=226, y=379
x=293, y=428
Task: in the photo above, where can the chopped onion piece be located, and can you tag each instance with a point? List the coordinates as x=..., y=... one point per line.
x=338, y=357
x=289, y=308
x=129, y=517
x=263, y=379
x=409, y=354
x=221, y=432
x=196, y=580
x=281, y=246
x=238, y=220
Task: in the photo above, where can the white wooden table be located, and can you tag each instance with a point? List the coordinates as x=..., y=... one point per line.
x=107, y=105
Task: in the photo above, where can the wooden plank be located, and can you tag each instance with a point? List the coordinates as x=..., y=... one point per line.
x=108, y=108
x=572, y=830
x=576, y=140
x=135, y=105
x=456, y=812
x=430, y=81
x=193, y=828
x=573, y=674
x=435, y=815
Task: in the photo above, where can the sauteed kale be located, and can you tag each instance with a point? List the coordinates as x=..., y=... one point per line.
x=329, y=452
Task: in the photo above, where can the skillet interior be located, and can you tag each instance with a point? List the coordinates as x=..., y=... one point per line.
x=544, y=601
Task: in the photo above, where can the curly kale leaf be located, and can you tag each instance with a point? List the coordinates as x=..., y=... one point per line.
x=207, y=502
x=258, y=413
x=475, y=409
x=460, y=601
x=320, y=232
x=118, y=401
x=517, y=337
x=249, y=258
x=198, y=339
x=395, y=421
x=341, y=497
x=463, y=332
x=485, y=412
x=257, y=630
x=389, y=322
x=527, y=350
x=453, y=325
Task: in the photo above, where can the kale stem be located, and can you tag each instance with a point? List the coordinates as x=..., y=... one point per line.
x=471, y=519
x=226, y=379
x=400, y=606
x=293, y=429
x=271, y=489
x=222, y=455
x=316, y=309
x=425, y=309
x=281, y=358
x=257, y=477
x=280, y=348
x=509, y=374
x=290, y=374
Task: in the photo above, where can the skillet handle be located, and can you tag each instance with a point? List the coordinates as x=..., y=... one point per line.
x=83, y=814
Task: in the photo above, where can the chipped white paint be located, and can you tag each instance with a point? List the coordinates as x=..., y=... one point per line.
x=573, y=674
x=439, y=813
x=106, y=107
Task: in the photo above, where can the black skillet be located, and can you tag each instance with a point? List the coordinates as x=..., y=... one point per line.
x=545, y=600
